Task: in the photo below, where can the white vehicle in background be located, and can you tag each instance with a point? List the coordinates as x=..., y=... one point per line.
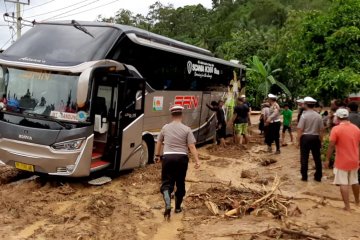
x=355, y=97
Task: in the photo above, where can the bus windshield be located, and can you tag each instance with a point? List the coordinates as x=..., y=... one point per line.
x=58, y=44
x=50, y=94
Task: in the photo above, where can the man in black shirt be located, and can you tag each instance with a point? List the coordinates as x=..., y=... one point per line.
x=240, y=121
x=221, y=123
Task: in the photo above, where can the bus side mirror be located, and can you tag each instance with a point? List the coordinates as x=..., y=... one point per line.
x=83, y=87
x=100, y=124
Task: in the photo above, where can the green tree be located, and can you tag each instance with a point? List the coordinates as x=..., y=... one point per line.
x=322, y=51
x=263, y=76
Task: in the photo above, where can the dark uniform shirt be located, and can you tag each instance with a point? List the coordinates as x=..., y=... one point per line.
x=354, y=118
x=242, y=113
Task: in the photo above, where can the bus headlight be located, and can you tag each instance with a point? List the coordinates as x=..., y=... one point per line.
x=69, y=145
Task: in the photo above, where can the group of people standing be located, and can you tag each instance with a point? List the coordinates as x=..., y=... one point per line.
x=178, y=140
x=344, y=127
x=239, y=120
x=343, y=124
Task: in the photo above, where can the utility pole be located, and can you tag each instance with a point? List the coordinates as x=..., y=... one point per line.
x=18, y=19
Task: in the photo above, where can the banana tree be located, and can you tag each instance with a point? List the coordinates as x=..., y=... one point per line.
x=263, y=74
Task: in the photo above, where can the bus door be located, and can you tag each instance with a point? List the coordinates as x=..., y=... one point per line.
x=104, y=103
x=131, y=122
x=118, y=107
x=207, y=120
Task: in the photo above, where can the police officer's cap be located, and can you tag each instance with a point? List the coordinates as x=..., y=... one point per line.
x=176, y=109
x=309, y=100
x=272, y=96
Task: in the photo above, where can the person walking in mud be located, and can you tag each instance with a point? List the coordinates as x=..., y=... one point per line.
x=177, y=139
x=345, y=137
x=274, y=124
x=310, y=134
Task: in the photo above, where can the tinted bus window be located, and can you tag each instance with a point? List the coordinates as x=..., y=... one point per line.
x=63, y=44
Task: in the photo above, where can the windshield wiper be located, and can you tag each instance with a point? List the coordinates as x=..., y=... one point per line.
x=40, y=116
x=81, y=28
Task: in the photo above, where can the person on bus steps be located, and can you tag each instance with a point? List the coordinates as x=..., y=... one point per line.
x=177, y=139
x=221, y=122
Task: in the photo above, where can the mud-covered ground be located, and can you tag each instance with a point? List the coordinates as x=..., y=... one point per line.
x=130, y=207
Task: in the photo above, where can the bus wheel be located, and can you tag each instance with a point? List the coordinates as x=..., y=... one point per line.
x=144, y=156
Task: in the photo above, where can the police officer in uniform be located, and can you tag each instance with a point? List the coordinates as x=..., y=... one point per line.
x=274, y=124
x=310, y=133
x=177, y=139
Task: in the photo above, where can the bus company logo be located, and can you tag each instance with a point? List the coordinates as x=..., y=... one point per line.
x=202, y=69
x=188, y=102
x=189, y=67
x=25, y=137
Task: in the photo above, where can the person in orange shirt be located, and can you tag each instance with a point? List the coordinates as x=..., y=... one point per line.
x=345, y=137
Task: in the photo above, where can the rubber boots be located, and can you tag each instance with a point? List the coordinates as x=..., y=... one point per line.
x=167, y=201
x=178, y=201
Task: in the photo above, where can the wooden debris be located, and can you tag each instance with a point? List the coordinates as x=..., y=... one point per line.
x=277, y=167
x=269, y=200
x=213, y=208
x=211, y=182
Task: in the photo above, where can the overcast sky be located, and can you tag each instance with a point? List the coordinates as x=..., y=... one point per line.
x=78, y=9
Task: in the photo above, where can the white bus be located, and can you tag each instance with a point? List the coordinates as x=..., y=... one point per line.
x=80, y=97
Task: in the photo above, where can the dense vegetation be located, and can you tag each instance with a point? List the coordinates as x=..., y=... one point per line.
x=313, y=45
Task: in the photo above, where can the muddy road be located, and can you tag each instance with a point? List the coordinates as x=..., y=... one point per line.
x=130, y=207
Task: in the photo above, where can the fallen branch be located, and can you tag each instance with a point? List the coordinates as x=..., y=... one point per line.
x=213, y=208
x=211, y=182
x=275, y=186
x=273, y=168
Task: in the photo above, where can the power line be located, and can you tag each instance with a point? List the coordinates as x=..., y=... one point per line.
x=8, y=24
x=38, y=5
x=58, y=9
x=72, y=10
x=11, y=38
x=5, y=6
x=83, y=11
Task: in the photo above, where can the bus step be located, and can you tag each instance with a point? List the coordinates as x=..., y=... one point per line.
x=98, y=165
x=96, y=155
x=99, y=181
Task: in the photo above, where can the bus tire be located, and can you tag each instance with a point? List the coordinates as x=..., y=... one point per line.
x=148, y=147
x=144, y=157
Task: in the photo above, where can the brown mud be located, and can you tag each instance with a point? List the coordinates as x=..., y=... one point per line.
x=131, y=207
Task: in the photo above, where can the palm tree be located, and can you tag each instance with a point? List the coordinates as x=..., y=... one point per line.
x=264, y=75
